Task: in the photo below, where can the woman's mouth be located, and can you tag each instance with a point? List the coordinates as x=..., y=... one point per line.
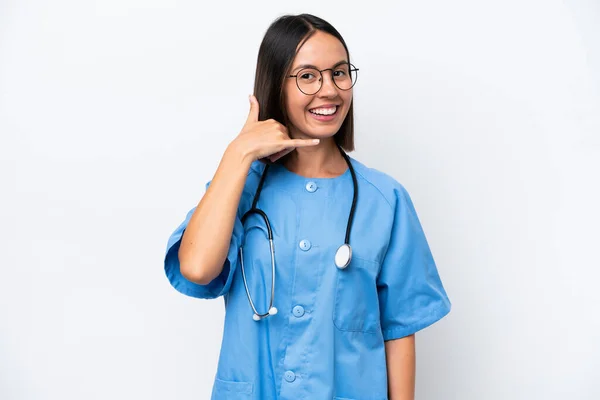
x=324, y=113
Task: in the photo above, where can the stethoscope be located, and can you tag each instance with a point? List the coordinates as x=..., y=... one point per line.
x=342, y=256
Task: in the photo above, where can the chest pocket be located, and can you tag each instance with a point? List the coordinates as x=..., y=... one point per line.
x=356, y=307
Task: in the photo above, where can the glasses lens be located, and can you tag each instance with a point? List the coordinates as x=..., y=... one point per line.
x=344, y=76
x=309, y=80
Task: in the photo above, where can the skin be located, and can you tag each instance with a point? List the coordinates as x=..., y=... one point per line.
x=324, y=160
x=400, y=358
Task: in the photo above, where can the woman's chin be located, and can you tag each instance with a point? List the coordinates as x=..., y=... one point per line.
x=321, y=132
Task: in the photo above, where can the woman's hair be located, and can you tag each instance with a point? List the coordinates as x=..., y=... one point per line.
x=275, y=56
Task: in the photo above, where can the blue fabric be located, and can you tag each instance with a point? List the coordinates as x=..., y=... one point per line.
x=327, y=341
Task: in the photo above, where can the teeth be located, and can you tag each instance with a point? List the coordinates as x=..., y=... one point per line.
x=324, y=111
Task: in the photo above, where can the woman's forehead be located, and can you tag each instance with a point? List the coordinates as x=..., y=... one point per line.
x=321, y=50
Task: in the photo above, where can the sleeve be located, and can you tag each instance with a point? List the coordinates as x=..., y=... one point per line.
x=218, y=286
x=411, y=294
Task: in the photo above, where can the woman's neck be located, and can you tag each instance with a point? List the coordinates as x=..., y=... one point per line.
x=321, y=161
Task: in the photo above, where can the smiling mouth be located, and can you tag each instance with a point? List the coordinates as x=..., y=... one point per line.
x=324, y=111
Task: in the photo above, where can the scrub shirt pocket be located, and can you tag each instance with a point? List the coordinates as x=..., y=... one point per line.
x=232, y=390
x=356, y=306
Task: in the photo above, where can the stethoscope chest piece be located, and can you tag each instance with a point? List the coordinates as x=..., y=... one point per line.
x=272, y=311
x=343, y=256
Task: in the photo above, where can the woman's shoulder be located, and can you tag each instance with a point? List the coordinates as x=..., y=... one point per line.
x=380, y=182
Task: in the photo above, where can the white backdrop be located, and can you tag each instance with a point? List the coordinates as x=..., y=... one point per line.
x=114, y=114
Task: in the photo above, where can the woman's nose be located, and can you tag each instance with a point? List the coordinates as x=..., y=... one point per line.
x=328, y=87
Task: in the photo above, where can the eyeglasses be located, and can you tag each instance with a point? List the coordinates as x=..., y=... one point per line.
x=310, y=80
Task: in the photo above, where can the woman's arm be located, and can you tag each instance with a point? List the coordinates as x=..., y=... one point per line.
x=205, y=242
x=400, y=359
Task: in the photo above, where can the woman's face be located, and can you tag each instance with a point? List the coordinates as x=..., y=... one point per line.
x=321, y=50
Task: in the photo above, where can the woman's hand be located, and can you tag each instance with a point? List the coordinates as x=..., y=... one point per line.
x=266, y=139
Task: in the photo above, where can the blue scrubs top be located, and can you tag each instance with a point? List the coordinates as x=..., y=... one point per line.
x=327, y=340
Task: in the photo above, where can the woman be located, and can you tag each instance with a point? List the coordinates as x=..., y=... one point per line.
x=354, y=276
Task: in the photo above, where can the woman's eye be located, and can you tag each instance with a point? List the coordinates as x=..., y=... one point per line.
x=307, y=76
x=340, y=72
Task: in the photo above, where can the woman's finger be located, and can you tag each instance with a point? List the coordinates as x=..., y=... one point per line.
x=300, y=142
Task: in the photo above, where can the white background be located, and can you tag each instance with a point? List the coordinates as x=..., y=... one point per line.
x=114, y=114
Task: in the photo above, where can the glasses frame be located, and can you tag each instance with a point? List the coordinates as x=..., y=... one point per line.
x=352, y=68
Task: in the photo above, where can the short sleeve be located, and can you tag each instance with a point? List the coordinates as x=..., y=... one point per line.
x=411, y=294
x=219, y=285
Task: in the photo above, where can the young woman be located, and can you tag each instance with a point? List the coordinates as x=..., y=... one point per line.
x=324, y=267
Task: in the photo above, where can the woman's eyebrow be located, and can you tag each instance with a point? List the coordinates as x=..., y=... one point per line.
x=312, y=66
